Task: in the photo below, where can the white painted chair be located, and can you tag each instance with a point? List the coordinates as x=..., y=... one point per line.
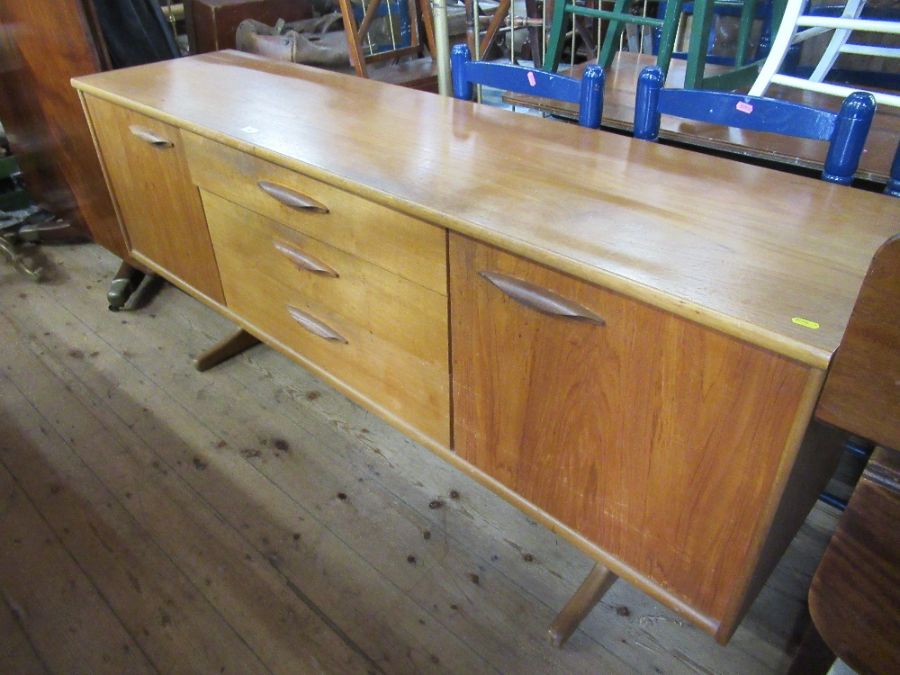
x=796, y=27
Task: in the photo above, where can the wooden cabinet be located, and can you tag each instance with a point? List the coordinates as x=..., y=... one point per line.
x=654, y=409
x=157, y=204
x=656, y=438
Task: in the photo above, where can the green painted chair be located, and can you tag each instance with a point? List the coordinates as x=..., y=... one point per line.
x=666, y=28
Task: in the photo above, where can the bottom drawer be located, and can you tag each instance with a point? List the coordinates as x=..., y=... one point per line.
x=384, y=337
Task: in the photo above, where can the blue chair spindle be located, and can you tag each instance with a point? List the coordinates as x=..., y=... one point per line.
x=587, y=92
x=845, y=131
x=893, y=185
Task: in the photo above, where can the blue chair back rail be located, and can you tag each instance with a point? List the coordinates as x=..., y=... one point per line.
x=845, y=131
x=587, y=92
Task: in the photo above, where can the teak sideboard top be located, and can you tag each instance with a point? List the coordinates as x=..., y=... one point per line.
x=772, y=258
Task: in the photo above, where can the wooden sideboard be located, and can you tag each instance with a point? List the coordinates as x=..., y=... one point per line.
x=623, y=339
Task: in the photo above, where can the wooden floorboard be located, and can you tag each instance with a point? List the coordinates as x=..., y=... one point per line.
x=68, y=623
x=277, y=526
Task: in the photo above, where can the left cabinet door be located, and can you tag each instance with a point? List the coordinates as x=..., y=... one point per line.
x=158, y=205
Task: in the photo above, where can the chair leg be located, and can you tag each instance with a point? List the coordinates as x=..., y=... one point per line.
x=125, y=282
x=748, y=15
x=787, y=26
x=851, y=11
x=557, y=36
x=230, y=346
x=668, y=33
x=699, y=44
x=580, y=604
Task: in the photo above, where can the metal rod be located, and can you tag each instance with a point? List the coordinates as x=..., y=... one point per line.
x=442, y=46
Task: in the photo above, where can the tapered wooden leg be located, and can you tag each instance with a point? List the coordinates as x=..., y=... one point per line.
x=580, y=605
x=233, y=345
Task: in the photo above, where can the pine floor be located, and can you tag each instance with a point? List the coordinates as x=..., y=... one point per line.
x=250, y=519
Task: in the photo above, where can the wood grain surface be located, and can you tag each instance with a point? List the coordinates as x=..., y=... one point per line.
x=159, y=207
x=855, y=592
x=862, y=392
x=739, y=248
x=396, y=350
x=662, y=442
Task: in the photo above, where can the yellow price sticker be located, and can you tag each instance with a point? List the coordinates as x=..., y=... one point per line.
x=806, y=323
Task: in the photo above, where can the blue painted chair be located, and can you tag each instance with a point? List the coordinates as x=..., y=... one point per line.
x=587, y=92
x=845, y=131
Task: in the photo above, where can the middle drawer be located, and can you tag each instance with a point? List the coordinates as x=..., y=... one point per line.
x=380, y=334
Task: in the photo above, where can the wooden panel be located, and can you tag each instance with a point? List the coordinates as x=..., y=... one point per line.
x=661, y=224
x=160, y=209
x=406, y=246
x=396, y=332
x=855, y=593
x=862, y=392
x=42, y=116
x=658, y=440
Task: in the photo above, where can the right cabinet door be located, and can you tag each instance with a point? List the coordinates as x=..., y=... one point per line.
x=655, y=438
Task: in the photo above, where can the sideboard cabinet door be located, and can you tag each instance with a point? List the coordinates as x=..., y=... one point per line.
x=660, y=441
x=158, y=205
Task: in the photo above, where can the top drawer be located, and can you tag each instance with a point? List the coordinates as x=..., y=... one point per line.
x=396, y=242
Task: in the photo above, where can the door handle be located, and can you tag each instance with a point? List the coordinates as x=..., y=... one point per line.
x=304, y=260
x=314, y=326
x=541, y=299
x=291, y=198
x=149, y=137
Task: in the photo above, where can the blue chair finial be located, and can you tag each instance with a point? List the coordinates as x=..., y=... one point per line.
x=646, y=104
x=851, y=128
x=590, y=110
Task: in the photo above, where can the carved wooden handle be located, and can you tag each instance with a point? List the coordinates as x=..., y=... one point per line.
x=314, y=326
x=146, y=135
x=541, y=299
x=305, y=261
x=291, y=198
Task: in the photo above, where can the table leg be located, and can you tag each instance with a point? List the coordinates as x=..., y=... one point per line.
x=230, y=346
x=580, y=604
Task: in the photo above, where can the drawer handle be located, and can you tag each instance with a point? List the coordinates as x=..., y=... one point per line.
x=290, y=198
x=541, y=299
x=315, y=326
x=305, y=261
x=150, y=137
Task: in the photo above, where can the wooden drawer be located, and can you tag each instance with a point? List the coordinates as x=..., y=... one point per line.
x=657, y=439
x=158, y=206
x=389, y=337
x=403, y=245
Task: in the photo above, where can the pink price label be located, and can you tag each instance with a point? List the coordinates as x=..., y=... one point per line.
x=531, y=80
x=744, y=107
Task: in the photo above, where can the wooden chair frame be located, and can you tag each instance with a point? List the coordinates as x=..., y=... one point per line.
x=419, y=14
